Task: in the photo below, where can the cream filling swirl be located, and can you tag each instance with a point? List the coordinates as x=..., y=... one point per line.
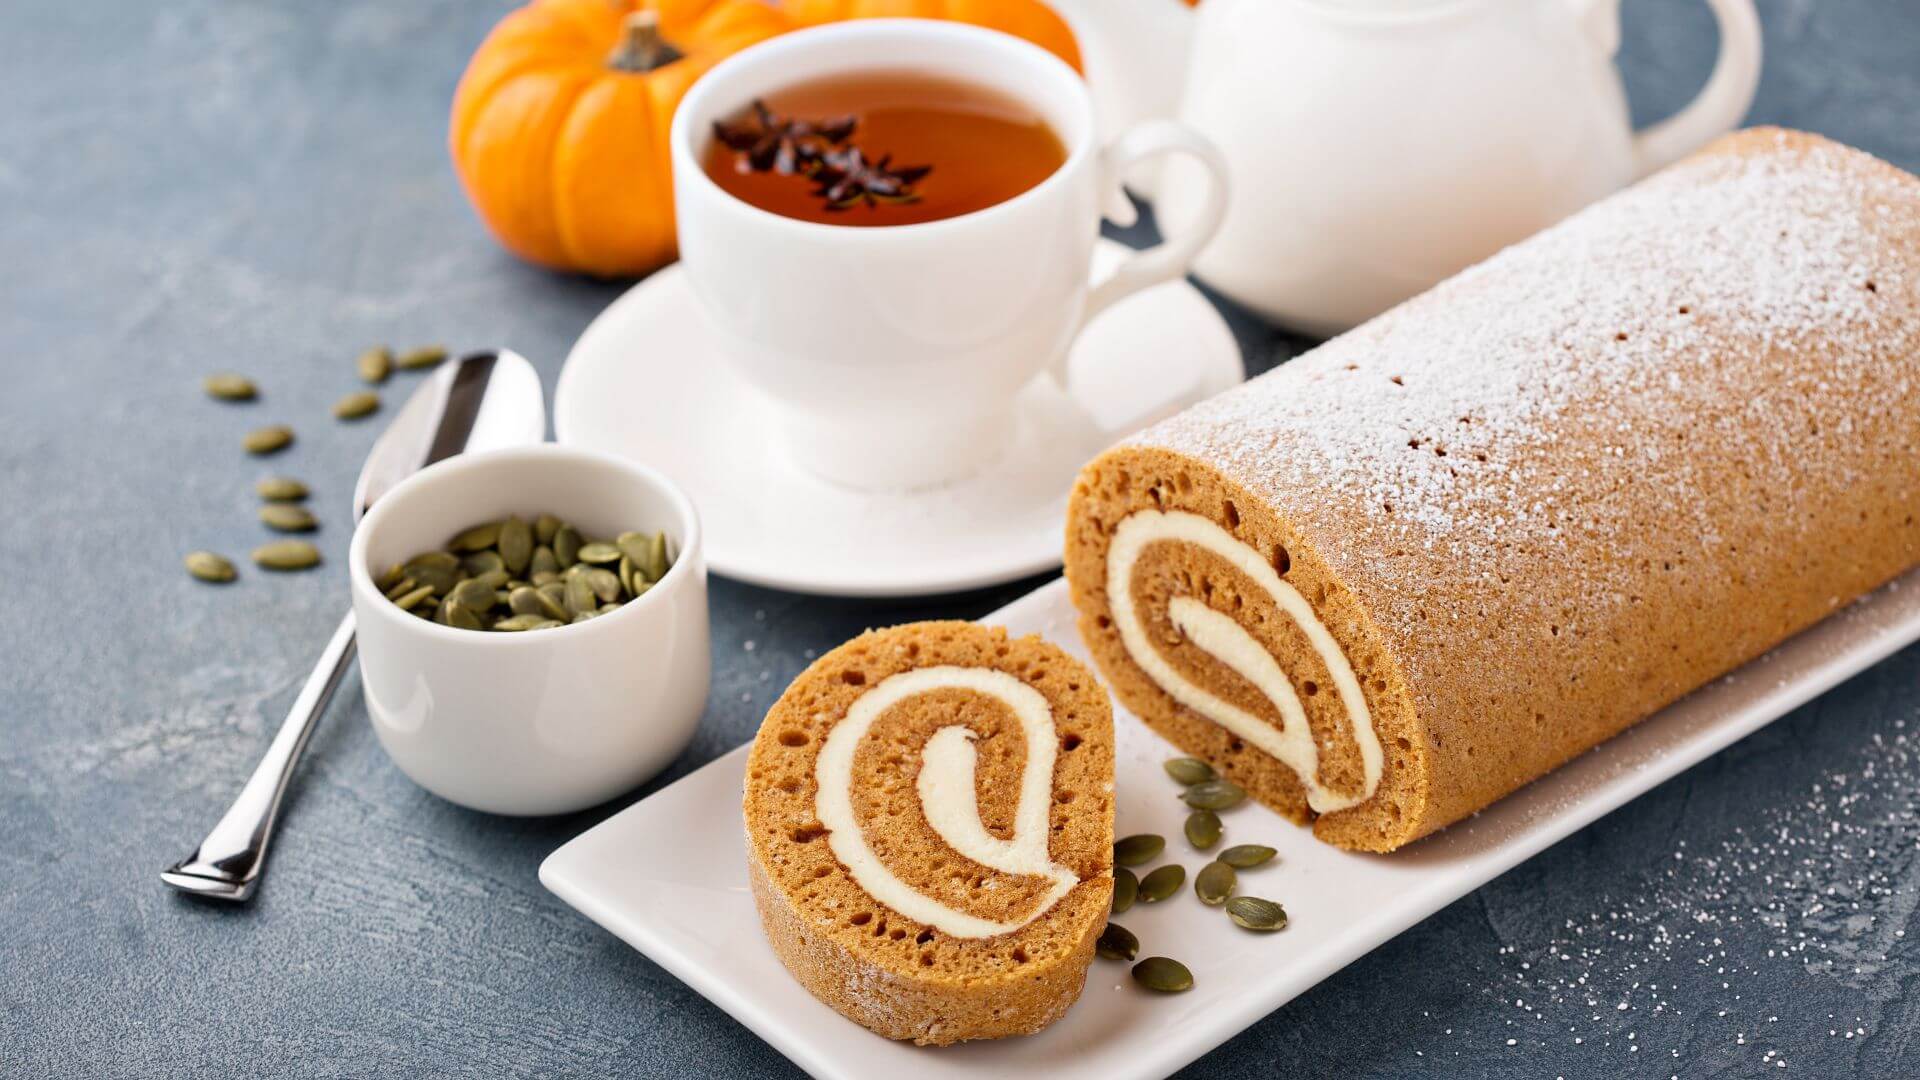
x=948, y=796
x=1227, y=641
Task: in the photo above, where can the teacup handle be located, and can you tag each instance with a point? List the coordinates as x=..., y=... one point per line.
x=1168, y=259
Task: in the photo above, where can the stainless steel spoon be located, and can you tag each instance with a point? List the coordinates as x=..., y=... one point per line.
x=483, y=401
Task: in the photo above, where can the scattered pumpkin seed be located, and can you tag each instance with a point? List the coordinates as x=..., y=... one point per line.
x=280, y=489
x=286, y=555
x=269, y=439
x=516, y=543
x=1253, y=913
x=420, y=358
x=1163, y=975
x=1214, y=883
x=1162, y=882
x=286, y=517
x=226, y=386
x=207, y=566
x=375, y=364
x=1188, y=770
x=1137, y=849
x=1246, y=856
x=1203, y=829
x=1117, y=943
x=358, y=404
x=1214, y=795
x=1126, y=889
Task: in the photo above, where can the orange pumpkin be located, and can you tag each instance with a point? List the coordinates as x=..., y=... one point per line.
x=1034, y=20
x=559, y=128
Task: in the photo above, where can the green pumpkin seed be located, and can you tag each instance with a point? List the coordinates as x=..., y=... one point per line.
x=1253, y=913
x=521, y=622
x=358, y=404
x=392, y=577
x=280, y=489
x=628, y=572
x=543, y=561
x=580, y=595
x=495, y=580
x=286, y=517
x=599, y=553
x=516, y=543
x=544, y=528
x=1138, y=849
x=1214, y=795
x=226, y=386
x=633, y=545
x=655, y=564
x=421, y=357
x=484, y=562
x=474, y=594
x=415, y=598
x=1163, y=975
x=402, y=587
x=566, y=546
x=268, y=440
x=544, y=577
x=433, y=560
x=286, y=555
x=461, y=618
x=604, y=583
x=549, y=624
x=477, y=538
x=1188, y=770
x=530, y=601
x=375, y=364
x=1245, y=856
x=1203, y=829
x=1126, y=889
x=1214, y=883
x=207, y=566
x=1117, y=943
x=440, y=581
x=1162, y=882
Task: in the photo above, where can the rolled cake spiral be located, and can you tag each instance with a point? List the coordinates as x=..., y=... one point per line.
x=929, y=812
x=1408, y=572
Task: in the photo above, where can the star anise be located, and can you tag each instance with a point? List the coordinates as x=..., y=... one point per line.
x=767, y=142
x=845, y=179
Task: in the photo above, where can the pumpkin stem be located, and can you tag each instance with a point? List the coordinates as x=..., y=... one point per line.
x=641, y=47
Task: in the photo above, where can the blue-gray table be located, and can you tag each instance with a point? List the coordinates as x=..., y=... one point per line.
x=194, y=185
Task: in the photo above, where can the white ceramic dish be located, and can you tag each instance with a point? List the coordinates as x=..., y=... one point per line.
x=548, y=721
x=668, y=875
x=645, y=382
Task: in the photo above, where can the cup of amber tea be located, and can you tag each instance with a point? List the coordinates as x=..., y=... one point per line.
x=890, y=224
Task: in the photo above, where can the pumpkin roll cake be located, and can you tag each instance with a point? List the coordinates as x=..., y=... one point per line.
x=929, y=814
x=1416, y=568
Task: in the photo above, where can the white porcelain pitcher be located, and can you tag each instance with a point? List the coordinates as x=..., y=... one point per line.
x=1375, y=147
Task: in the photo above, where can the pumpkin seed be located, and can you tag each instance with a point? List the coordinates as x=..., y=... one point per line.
x=1214, y=795
x=402, y=587
x=1214, y=883
x=495, y=580
x=516, y=543
x=226, y=386
x=1163, y=975
x=476, y=539
x=1253, y=913
x=555, y=591
x=1117, y=943
x=610, y=606
x=356, y=405
x=1138, y=849
x=484, y=562
x=604, y=583
x=633, y=545
x=580, y=595
x=531, y=601
x=473, y=594
x=420, y=357
x=1203, y=829
x=375, y=364
x=584, y=617
x=547, y=624
x=207, y=566
x=544, y=528
x=286, y=555
x=1245, y=856
x=521, y=622
x=566, y=546
x=461, y=618
x=655, y=564
x=392, y=577
x=628, y=572
x=543, y=577
x=433, y=560
x=1162, y=882
x=440, y=581
x=269, y=439
x=543, y=561
x=599, y=552
x=286, y=517
x=1188, y=770
x=417, y=596
x=1126, y=889
x=280, y=489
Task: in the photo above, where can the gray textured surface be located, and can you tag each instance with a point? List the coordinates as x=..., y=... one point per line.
x=199, y=184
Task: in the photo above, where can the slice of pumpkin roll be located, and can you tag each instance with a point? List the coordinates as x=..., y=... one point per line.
x=1401, y=576
x=929, y=814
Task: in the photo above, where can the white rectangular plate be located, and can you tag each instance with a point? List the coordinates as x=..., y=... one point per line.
x=668, y=875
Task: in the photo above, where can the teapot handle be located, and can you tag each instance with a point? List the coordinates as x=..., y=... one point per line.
x=1721, y=104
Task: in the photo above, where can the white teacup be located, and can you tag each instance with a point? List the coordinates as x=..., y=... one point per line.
x=892, y=355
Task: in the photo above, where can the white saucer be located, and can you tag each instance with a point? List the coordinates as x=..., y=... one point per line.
x=645, y=382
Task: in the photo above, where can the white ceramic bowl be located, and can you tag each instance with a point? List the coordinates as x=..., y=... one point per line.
x=545, y=721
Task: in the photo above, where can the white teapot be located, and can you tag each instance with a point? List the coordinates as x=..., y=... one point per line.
x=1375, y=147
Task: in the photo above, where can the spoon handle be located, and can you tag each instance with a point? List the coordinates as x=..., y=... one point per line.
x=228, y=863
